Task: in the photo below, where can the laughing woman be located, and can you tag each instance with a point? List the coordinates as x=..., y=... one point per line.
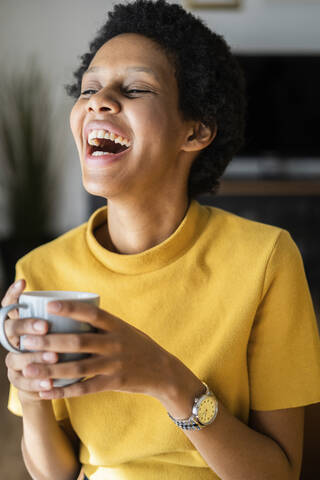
x=207, y=348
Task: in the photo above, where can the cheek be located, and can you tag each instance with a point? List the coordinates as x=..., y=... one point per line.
x=152, y=125
x=76, y=123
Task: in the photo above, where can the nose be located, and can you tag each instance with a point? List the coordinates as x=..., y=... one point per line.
x=102, y=102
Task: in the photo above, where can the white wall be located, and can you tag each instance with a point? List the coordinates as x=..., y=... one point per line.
x=59, y=31
x=269, y=25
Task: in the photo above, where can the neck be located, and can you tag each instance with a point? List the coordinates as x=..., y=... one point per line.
x=136, y=227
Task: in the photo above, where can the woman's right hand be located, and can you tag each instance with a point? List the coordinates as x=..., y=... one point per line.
x=17, y=362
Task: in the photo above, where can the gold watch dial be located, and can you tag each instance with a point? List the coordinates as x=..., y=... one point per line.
x=206, y=410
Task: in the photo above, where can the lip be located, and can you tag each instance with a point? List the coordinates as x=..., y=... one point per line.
x=104, y=160
x=104, y=125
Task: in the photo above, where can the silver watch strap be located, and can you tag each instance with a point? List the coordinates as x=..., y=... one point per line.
x=188, y=424
x=191, y=422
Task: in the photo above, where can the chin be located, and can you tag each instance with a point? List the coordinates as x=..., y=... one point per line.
x=97, y=188
x=94, y=189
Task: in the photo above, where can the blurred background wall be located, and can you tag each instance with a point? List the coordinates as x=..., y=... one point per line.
x=57, y=33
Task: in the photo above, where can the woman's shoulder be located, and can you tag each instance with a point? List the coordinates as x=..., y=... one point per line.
x=236, y=222
x=235, y=226
x=236, y=238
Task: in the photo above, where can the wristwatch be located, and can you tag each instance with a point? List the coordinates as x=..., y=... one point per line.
x=204, y=411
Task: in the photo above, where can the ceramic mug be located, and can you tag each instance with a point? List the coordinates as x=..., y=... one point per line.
x=34, y=305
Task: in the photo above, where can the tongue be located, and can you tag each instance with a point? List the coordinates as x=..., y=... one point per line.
x=109, y=146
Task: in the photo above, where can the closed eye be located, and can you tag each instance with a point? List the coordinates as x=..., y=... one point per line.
x=87, y=92
x=135, y=90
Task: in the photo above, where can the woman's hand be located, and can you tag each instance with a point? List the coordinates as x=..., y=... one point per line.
x=17, y=362
x=122, y=357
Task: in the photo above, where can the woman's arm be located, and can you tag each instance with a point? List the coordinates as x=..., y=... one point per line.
x=47, y=451
x=129, y=360
x=235, y=451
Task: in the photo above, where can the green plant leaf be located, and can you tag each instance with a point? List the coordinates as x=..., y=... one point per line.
x=26, y=159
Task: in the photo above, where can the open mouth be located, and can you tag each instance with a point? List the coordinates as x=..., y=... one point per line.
x=101, y=142
x=104, y=146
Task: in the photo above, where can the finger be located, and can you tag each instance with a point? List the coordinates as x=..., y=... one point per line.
x=18, y=361
x=23, y=326
x=85, y=312
x=27, y=384
x=81, y=368
x=12, y=296
x=92, y=385
x=72, y=343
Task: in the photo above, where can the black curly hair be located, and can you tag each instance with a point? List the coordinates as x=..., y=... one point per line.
x=210, y=81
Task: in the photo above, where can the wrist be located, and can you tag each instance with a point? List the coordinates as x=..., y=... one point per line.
x=32, y=400
x=181, y=388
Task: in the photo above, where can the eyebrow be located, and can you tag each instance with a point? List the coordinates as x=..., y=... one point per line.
x=128, y=69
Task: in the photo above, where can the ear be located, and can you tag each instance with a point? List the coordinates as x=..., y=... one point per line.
x=199, y=137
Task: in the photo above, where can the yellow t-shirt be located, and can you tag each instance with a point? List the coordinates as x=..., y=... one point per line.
x=226, y=295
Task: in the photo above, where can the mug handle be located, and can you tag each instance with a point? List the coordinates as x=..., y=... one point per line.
x=3, y=317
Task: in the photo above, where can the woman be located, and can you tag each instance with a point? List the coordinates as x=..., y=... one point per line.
x=195, y=301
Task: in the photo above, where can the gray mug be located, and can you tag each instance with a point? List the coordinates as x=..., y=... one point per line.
x=34, y=305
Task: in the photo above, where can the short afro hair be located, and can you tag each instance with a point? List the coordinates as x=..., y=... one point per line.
x=210, y=81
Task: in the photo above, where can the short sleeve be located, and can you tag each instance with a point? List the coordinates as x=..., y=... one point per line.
x=14, y=405
x=284, y=345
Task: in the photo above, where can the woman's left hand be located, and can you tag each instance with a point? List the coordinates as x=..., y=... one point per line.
x=123, y=358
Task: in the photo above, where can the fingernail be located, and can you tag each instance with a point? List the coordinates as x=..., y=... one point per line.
x=45, y=395
x=45, y=384
x=54, y=306
x=49, y=357
x=18, y=284
x=39, y=326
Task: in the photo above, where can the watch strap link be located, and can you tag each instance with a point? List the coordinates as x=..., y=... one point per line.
x=188, y=424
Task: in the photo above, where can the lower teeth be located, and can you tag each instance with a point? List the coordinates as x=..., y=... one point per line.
x=99, y=152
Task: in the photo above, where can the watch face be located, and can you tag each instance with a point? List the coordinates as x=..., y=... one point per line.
x=206, y=410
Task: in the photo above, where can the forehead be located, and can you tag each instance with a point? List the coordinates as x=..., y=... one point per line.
x=131, y=50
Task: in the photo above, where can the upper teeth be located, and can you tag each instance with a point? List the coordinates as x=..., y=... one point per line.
x=95, y=134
